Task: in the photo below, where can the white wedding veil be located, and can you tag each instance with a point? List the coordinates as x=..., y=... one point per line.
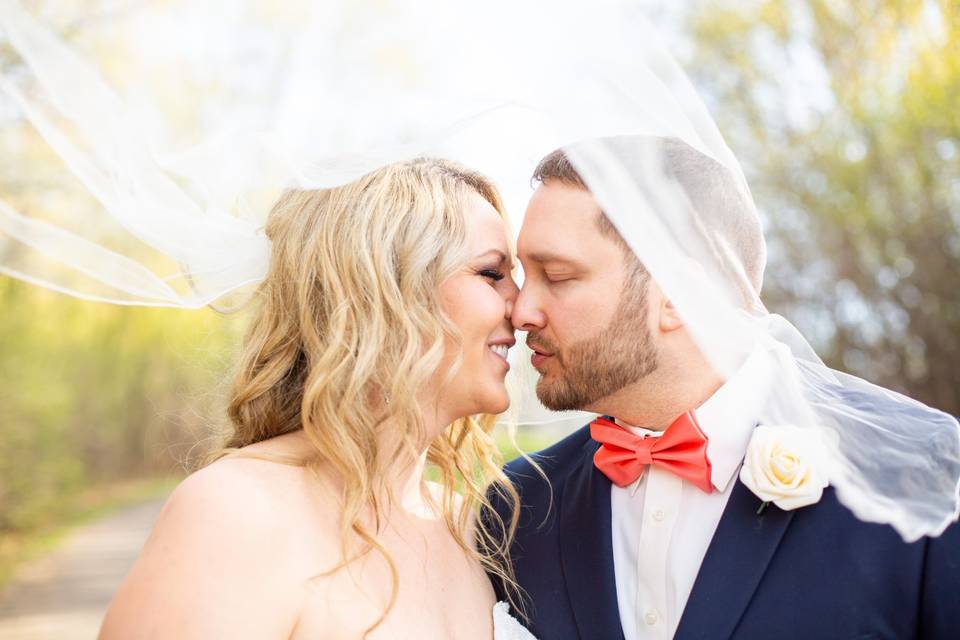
x=180, y=147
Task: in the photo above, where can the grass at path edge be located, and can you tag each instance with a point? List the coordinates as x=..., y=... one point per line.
x=19, y=547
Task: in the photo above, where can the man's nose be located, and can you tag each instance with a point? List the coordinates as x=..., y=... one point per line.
x=527, y=314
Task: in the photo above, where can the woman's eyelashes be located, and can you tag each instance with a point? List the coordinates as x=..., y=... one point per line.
x=494, y=275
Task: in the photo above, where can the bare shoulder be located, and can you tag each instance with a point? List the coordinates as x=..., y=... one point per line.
x=231, y=495
x=233, y=502
x=229, y=536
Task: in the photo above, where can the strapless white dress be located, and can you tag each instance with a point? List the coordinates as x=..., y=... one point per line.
x=506, y=627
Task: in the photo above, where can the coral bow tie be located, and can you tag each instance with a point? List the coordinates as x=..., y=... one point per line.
x=682, y=450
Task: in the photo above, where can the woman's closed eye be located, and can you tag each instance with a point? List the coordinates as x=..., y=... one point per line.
x=493, y=274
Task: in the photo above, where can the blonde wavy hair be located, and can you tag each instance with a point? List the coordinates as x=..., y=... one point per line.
x=350, y=329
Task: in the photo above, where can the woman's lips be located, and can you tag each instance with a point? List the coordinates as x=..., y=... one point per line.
x=500, y=351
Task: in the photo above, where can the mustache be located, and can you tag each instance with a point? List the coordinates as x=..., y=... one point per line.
x=537, y=342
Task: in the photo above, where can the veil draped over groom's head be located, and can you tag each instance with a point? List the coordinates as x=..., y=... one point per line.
x=710, y=189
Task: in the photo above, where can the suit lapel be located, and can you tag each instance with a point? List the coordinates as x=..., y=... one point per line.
x=742, y=547
x=586, y=551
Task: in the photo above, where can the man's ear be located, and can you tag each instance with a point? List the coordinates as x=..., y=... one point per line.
x=670, y=320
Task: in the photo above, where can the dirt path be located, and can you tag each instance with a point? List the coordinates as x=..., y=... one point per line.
x=65, y=594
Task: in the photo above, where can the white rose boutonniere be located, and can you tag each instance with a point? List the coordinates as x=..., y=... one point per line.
x=786, y=465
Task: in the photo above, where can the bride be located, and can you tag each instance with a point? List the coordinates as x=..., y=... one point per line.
x=379, y=346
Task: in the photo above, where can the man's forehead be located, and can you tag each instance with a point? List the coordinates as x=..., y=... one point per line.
x=560, y=221
x=558, y=197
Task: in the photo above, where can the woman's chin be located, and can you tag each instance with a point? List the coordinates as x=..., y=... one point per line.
x=500, y=408
x=496, y=402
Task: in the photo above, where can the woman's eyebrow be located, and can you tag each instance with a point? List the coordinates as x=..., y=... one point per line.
x=497, y=252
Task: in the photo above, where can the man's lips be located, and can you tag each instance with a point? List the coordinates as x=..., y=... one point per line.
x=539, y=357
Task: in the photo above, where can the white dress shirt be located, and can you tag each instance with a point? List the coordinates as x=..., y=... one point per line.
x=662, y=525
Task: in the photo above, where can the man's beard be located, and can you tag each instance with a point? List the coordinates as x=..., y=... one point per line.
x=619, y=355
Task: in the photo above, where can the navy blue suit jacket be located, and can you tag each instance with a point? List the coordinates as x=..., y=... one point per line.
x=815, y=572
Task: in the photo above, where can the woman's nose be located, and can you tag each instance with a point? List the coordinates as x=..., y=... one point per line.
x=510, y=298
x=525, y=314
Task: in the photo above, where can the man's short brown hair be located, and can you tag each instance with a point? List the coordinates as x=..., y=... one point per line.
x=557, y=166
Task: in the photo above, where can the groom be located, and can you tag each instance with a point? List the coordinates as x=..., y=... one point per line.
x=618, y=551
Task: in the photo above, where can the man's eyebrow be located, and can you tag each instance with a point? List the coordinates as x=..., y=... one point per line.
x=545, y=256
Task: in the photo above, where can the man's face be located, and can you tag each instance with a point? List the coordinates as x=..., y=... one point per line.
x=582, y=302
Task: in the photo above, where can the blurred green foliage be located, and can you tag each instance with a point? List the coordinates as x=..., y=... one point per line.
x=846, y=117
x=526, y=440
x=93, y=393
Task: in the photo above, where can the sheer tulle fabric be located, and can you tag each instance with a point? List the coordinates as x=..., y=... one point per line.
x=316, y=94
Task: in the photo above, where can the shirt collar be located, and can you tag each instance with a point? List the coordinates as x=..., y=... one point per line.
x=729, y=416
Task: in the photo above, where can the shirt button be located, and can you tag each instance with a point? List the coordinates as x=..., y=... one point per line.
x=651, y=617
x=659, y=515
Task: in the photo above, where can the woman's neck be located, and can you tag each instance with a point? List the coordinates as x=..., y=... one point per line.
x=402, y=467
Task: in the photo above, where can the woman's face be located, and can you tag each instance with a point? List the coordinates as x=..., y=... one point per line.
x=478, y=299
